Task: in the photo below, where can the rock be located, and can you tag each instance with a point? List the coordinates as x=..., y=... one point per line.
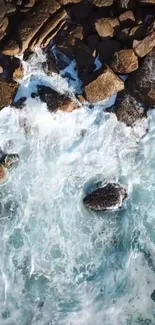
x=104, y=84
x=107, y=27
x=93, y=41
x=18, y=73
x=81, y=10
x=3, y=27
x=127, y=19
x=143, y=47
x=3, y=10
x=127, y=109
x=7, y=92
x=1, y=70
x=141, y=84
x=48, y=28
x=127, y=4
x=20, y=103
x=55, y=100
x=102, y=3
x=3, y=174
x=76, y=31
x=147, y=2
x=30, y=26
x=49, y=66
x=153, y=295
x=107, y=198
x=8, y=160
x=124, y=61
x=66, y=2
x=107, y=48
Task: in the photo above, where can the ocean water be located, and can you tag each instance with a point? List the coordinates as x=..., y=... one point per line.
x=61, y=264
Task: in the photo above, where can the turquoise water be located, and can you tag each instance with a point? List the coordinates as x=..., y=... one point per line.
x=60, y=263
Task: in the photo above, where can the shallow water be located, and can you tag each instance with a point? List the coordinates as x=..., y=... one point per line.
x=60, y=263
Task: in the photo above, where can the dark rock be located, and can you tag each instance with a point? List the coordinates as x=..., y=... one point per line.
x=55, y=100
x=107, y=27
x=143, y=47
x=153, y=295
x=20, y=103
x=127, y=109
x=109, y=197
x=93, y=41
x=141, y=84
x=3, y=10
x=124, y=61
x=8, y=91
x=127, y=4
x=147, y=2
x=3, y=26
x=102, y=3
x=107, y=48
x=28, y=55
x=81, y=10
x=103, y=84
x=49, y=66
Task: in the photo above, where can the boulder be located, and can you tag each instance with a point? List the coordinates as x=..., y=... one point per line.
x=127, y=19
x=107, y=27
x=141, y=84
x=30, y=26
x=127, y=109
x=107, y=48
x=143, y=47
x=8, y=91
x=49, y=65
x=107, y=198
x=104, y=84
x=124, y=61
x=102, y=3
x=55, y=100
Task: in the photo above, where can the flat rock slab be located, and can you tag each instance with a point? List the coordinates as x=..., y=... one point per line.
x=142, y=48
x=109, y=197
x=103, y=86
x=8, y=91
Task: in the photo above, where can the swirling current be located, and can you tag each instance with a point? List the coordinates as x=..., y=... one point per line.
x=60, y=263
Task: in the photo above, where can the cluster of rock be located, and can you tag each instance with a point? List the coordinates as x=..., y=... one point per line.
x=121, y=33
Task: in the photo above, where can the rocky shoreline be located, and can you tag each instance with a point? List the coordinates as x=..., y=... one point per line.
x=119, y=33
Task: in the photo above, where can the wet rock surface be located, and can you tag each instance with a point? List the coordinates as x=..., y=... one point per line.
x=109, y=197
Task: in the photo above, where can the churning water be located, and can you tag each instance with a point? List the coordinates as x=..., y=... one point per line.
x=61, y=264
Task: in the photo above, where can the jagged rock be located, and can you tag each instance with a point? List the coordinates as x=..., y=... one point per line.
x=124, y=61
x=127, y=109
x=127, y=19
x=103, y=85
x=143, y=47
x=8, y=160
x=141, y=84
x=3, y=27
x=153, y=295
x=107, y=27
x=49, y=66
x=107, y=48
x=55, y=100
x=30, y=26
x=76, y=31
x=3, y=174
x=102, y=3
x=7, y=92
x=109, y=197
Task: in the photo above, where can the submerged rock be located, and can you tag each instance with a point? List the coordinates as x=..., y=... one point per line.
x=3, y=174
x=109, y=197
x=8, y=160
x=55, y=100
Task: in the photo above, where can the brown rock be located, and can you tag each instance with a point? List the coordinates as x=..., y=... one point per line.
x=107, y=48
x=3, y=27
x=77, y=32
x=107, y=27
x=1, y=70
x=49, y=65
x=56, y=100
x=3, y=174
x=7, y=92
x=66, y=2
x=103, y=86
x=29, y=26
x=128, y=110
x=102, y=3
x=143, y=47
x=124, y=61
x=47, y=29
x=127, y=19
x=18, y=73
x=141, y=84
